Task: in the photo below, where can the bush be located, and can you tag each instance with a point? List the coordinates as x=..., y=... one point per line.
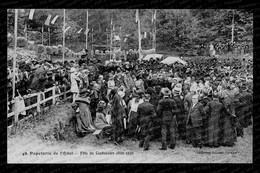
x=36, y=48
x=55, y=50
x=31, y=45
x=9, y=38
x=41, y=48
x=60, y=49
x=22, y=42
x=49, y=50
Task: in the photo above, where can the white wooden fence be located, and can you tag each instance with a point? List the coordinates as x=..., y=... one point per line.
x=53, y=97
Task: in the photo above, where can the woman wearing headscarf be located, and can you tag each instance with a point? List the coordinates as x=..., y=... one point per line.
x=84, y=118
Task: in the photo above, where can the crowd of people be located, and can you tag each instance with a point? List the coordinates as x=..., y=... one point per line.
x=204, y=103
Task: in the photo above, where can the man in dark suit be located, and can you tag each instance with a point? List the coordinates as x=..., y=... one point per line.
x=195, y=121
x=146, y=114
x=166, y=110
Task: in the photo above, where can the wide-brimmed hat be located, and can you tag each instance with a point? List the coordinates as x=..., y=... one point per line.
x=166, y=91
x=82, y=100
x=72, y=70
x=121, y=94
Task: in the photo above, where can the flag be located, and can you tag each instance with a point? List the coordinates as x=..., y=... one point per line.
x=47, y=22
x=137, y=16
x=67, y=29
x=80, y=31
x=54, y=19
x=31, y=14
x=25, y=27
x=86, y=32
x=117, y=37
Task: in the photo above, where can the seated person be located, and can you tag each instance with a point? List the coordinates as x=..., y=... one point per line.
x=101, y=120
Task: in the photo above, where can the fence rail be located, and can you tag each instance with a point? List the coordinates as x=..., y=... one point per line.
x=53, y=97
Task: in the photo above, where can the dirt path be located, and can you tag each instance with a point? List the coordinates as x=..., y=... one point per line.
x=130, y=153
x=26, y=147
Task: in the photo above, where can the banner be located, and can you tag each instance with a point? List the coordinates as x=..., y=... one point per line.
x=54, y=19
x=86, y=32
x=47, y=22
x=67, y=29
x=31, y=14
x=137, y=16
x=80, y=31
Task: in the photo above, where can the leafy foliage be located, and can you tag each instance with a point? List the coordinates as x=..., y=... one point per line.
x=179, y=31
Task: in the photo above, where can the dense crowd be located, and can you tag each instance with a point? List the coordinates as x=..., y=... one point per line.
x=204, y=103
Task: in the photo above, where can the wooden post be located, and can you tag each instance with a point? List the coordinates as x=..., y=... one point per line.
x=38, y=103
x=15, y=45
x=63, y=36
x=53, y=95
x=232, y=37
x=16, y=112
x=87, y=32
x=65, y=97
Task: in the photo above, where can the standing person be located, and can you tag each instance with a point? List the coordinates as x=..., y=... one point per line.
x=166, y=110
x=228, y=131
x=146, y=114
x=180, y=116
x=117, y=114
x=214, y=109
x=74, y=79
x=195, y=121
x=110, y=84
x=132, y=116
x=240, y=104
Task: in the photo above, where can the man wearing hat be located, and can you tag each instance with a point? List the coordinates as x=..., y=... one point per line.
x=117, y=113
x=195, y=121
x=180, y=116
x=166, y=110
x=146, y=114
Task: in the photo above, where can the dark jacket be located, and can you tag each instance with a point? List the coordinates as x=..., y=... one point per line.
x=179, y=106
x=166, y=110
x=196, y=114
x=146, y=113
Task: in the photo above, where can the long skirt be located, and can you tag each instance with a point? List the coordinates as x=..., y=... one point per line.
x=84, y=121
x=229, y=135
x=132, y=123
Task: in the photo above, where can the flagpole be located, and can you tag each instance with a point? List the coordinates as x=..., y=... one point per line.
x=49, y=35
x=154, y=30
x=15, y=45
x=92, y=42
x=111, y=38
x=42, y=34
x=25, y=30
x=87, y=31
x=232, y=36
x=63, y=50
x=139, y=34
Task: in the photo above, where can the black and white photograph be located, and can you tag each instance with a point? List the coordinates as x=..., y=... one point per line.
x=129, y=86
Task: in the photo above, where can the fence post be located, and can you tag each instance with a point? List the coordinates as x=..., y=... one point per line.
x=65, y=96
x=38, y=102
x=16, y=111
x=53, y=95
